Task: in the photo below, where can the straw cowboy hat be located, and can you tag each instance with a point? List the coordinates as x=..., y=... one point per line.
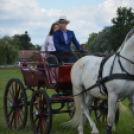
x=63, y=18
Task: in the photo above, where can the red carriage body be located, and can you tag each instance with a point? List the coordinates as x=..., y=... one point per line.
x=44, y=74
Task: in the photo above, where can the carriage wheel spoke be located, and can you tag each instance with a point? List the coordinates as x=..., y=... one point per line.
x=35, y=106
x=45, y=107
x=21, y=96
x=36, y=119
x=9, y=99
x=21, y=111
x=17, y=93
x=11, y=94
x=45, y=120
x=15, y=119
x=100, y=115
x=10, y=113
x=11, y=122
x=20, y=116
x=43, y=125
x=43, y=103
x=18, y=119
x=38, y=101
x=38, y=124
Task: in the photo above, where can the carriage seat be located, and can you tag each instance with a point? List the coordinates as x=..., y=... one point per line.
x=51, y=61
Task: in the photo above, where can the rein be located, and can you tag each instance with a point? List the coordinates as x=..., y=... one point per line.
x=100, y=81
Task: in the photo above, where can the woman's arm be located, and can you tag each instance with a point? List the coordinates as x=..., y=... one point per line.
x=44, y=45
x=43, y=48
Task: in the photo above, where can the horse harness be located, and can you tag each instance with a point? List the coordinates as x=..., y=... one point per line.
x=102, y=80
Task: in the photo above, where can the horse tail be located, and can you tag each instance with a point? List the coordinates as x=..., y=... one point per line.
x=121, y=106
x=74, y=122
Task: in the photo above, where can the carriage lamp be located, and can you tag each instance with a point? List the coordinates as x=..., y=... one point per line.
x=32, y=66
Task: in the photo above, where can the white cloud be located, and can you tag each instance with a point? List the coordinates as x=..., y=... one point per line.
x=17, y=16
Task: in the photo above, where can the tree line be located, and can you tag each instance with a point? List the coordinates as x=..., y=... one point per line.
x=10, y=46
x=110, y=38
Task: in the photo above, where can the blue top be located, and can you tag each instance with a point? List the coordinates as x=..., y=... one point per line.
x=62, y=40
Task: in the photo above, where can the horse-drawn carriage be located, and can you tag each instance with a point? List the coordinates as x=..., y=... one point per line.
x=43, y=73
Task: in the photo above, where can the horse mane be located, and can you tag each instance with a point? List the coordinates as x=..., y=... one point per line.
x=129, y=35
x=122, y=45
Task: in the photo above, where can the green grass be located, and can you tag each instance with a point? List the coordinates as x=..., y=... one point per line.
x=124, y=126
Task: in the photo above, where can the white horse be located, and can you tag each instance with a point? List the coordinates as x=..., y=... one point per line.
x=84, y=74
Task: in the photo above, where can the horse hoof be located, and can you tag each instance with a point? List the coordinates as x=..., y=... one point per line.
x=133, y=128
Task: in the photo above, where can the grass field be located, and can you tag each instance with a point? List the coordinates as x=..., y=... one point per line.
x=124, y=126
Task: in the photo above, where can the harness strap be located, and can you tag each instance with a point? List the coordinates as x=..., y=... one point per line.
x=100, y=75
x=107, y=79
x=125, y=58
x=93, y=86
x=122, y=68
x=100, y=81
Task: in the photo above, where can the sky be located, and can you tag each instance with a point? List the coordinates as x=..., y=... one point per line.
x=36, y=16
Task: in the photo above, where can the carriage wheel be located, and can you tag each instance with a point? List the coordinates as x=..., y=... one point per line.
x=41, y=112
x=15, y=104
x=101, y=111
x=71, y=107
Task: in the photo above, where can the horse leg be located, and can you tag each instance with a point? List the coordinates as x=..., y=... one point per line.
x=85, y=109
x=131, y=105
x=112, y=107
x=89, y=101
x=116, y=105
x=80, y=127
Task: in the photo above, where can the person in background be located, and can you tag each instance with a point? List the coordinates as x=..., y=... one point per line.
x=62, y=41
x=49, y=46
x=48, y=43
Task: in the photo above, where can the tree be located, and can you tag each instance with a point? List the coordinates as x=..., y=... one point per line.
x=101, y=42
x=122, y=24
x=92, y=36
x=37, y=47
x=110, y=38
x=23, y=41
x=8, y=52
